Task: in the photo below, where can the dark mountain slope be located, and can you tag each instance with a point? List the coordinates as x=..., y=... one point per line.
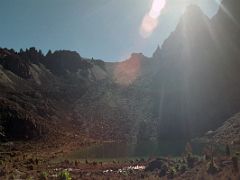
x=35, y=99
x=198, y=81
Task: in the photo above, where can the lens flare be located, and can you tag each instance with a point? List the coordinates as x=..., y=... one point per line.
x=148, y=26
x=150, y=20
x=126, y=72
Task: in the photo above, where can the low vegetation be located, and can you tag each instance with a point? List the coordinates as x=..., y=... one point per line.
x=64, y=175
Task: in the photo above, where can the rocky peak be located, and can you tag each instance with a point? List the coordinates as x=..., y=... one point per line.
x=157, y=52
x=32, y=55
x=231, y=8
x=61, y=62
x=228, y=13
x=12, y=62
x=136, y=55
x=193, y=20
x=193, y=10
x=192, y=30
x=226, y=24
x=4, y=53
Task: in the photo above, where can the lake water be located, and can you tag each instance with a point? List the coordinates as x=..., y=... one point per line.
x=118, y=150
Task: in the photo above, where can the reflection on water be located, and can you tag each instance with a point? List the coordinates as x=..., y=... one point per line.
x=118, y=150
x=126, y=169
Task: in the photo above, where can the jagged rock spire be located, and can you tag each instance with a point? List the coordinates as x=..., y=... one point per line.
x=157, y=52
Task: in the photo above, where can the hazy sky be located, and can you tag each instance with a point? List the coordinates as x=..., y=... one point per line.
x=104, y=29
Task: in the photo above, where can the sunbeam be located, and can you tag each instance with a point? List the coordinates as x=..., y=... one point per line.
x=226, y=11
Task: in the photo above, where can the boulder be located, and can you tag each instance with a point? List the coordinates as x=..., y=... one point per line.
x=154, y=165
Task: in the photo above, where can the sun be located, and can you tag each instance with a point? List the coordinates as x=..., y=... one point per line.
x=157, y=7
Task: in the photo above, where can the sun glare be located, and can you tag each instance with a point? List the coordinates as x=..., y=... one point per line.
x=150, y=20
x=156, y=9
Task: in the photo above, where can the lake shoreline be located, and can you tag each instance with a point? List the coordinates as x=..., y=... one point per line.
x=32, y=159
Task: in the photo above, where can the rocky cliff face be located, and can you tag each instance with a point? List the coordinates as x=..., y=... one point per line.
x=189, y=86
x=198, y=77
x=36, y=97
x=12, y=62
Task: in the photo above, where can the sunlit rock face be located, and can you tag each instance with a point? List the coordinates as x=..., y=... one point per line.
x=125, y=73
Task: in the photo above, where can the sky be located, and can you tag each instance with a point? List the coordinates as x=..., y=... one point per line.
x=103, y=29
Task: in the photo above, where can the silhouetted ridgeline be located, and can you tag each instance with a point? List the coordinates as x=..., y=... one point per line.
x=198, y=77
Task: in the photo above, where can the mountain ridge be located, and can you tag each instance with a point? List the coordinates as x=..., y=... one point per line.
x=189, y=86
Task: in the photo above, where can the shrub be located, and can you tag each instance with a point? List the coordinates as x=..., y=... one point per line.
x=227, y=150
x=207, y=153
x=76, y=163
x=212, y=168
x=188, y=148
x=163, y=171
x=183, y=168
x=43, y=176
x=235, y=163
x=171, y=173
x=64, y=175
x=190, y=161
